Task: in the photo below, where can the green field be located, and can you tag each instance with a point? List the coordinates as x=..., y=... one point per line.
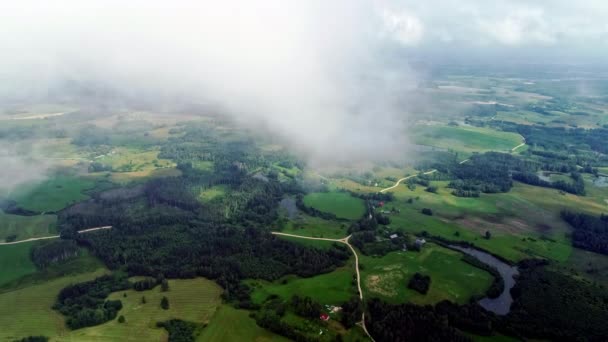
x=230, y=324
x=465, y=139
x=341, y=204
x=15, y=261
x=25, y=227
x=28, y=310
x=53, y=194
x=194, y=300
x=451, y=278
x=331, y=288
x=315, y=227
x=524, y=222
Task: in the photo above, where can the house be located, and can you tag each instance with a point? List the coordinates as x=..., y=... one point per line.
x=393, y=236
x=381, y=204
x=324, y=317
x=420, y=242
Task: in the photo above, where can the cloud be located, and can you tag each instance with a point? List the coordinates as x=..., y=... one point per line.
x=19, y=167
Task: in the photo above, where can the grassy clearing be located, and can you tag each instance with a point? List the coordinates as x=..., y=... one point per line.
x=330, y=288
x=15, y=261
x=53, y=194
x=588, y=265
x=230, y=324
x=315, y=227
x=207, y=195
x=309, y=243
x=451, y=278
x=341, y=204
x=194, y=300
x=465, y=139
x=27, y=311
x=25, y=227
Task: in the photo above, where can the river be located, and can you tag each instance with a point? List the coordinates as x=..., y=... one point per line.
x=502, y=304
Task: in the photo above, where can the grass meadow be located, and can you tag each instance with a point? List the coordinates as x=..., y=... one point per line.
x=387, y=277
x=341, y=204
x=25, y=227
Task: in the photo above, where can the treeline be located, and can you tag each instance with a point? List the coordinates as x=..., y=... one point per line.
x=577, y=187
x=420, y=283
x=53, y=252
x=85, y=304
x=590, y=232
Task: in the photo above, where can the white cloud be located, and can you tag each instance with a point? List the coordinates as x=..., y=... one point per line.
x=403, y=26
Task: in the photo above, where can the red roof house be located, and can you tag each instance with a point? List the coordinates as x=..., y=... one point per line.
x=324, y=317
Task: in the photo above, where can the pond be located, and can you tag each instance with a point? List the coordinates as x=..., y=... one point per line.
x=502, y=304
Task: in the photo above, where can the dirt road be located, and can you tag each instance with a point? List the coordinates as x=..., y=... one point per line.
x=53, y=236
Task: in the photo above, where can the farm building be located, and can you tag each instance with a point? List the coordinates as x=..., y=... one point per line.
x=324, y=317
x=394, y=236
x=420, y=242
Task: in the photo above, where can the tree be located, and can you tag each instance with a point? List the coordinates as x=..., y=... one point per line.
x=164, y=285
x=121, y=319
x=427, y=211
x=143, y=299
x=164, y=303
x=488, y=235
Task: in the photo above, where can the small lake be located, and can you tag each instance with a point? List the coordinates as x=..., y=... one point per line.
x=502, y=304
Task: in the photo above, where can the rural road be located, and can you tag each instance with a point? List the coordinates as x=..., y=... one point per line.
x=344, y=241
x=53, y=236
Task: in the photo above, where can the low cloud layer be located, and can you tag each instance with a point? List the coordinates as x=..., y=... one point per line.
x=331, y=77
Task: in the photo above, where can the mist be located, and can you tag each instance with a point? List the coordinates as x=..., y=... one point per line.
x=332, y=79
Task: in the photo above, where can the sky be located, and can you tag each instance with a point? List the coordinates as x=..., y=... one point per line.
x=331, y=78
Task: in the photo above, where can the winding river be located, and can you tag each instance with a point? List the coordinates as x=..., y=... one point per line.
x=502, y=304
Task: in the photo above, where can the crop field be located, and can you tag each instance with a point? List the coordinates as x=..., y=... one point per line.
x=315, y=227
x=341, y=204
x=28, y=310
x=465, y=139
x=194, y=300
x=330, y=288
x=25, y=227
x=53, y=194
x=230, y=324
x=15, y=261
x=451, y=278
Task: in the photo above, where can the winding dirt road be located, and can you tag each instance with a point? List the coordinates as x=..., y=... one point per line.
x=344, y=241
x=53, y=236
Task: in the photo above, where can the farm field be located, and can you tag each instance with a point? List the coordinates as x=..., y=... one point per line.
x=217, y=191
x=25, y=227
x=465, y=139
x=341, y=204
x=194, y=300
x=133, y=160
x=223, y=327
x=451, y=278
x=53, y=194
x=330, y=288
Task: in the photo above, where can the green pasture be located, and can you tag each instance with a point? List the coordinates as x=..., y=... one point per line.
x=194, y=300
x=465, y=139
x=330, y=288
x=25, y=227
x=28, y=311
x=217, y=191
x=312, y=226
x=341, y=204
x=387, y=277
x=15, y=261
x=53, y=194
x=229, y=324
